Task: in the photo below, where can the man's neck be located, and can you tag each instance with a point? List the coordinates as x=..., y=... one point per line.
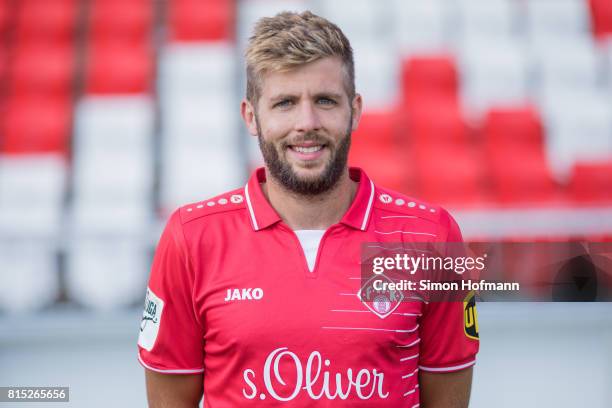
x=301, y=212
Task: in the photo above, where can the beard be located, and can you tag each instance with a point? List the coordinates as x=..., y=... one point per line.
x=282, y=171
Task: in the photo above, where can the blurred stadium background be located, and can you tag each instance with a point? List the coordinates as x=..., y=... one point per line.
x=114, y=112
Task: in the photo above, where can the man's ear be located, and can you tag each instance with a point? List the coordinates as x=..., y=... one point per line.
x=247, y=111
x=356, y=107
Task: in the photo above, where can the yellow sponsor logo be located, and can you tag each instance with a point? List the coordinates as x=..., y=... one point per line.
x=470, y=316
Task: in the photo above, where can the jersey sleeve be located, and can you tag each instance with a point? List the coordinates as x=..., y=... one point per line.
x=171, y=337
x=449, y=329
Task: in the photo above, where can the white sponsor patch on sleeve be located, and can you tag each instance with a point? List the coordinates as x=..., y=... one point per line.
x=151, y=319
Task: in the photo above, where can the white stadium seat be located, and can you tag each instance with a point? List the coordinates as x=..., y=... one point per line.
x=488, y=19
x=106, y=272
x=207, y=68
x=360, y=20
x=494, y=73
x=113, y=123
x=420, y=26
x=122, y=176
x=190, y=175
x=29, y=274
x=205, y=122
x=377, y=75
x=557, y=18
x=606, y=51
x=571, y=65
x=200, y=118
x=108, y=216
x=113, y=164
x=32, y=194
x=579, y=128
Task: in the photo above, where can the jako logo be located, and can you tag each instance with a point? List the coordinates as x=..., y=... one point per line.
x=243, y=294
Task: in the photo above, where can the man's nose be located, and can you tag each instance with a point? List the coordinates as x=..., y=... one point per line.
x=307, y=118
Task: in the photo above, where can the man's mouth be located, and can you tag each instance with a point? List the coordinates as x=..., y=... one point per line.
x=307, y=150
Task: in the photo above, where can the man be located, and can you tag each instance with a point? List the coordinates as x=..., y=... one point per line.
x=254, y=299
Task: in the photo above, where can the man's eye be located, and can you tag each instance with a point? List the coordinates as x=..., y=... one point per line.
x=326, y=101
x=283, y=104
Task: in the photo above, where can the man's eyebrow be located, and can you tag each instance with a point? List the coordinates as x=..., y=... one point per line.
x=331, y=95
x=282, y=97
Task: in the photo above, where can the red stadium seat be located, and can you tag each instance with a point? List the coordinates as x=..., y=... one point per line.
x=514, y=127
x=591, y=182
x=448, y=169
x=5, y=18
x=201, y=20
x=4, y=68
x=521, y=178
x=429, y=77
x=119, y=68
x=27, y=77
x=48, y=21
x=378, y=127
x=383, y=163
x=128, y=21
x=449, y=175
x=36, y=125
x=601, y=17
x=514, y=148
x=436, y=122
x=374, y=147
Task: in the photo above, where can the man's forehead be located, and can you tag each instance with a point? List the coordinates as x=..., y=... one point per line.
x=324, y=76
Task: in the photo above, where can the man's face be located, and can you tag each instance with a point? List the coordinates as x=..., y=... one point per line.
x=303, y=121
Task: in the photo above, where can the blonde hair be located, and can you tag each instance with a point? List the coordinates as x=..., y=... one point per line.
x=291, y=39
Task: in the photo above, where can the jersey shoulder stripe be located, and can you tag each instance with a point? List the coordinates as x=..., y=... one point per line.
x=388, y=202
x=231, y=201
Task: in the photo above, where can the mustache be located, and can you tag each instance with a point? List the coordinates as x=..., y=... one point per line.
x=308, y=137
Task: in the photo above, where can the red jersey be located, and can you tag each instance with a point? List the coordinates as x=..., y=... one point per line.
x=231, y=295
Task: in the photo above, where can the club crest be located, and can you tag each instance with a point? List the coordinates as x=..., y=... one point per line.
x=382, y=302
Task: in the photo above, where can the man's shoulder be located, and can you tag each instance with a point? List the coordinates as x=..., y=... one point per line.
x=231, y=201
x=389, y=203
